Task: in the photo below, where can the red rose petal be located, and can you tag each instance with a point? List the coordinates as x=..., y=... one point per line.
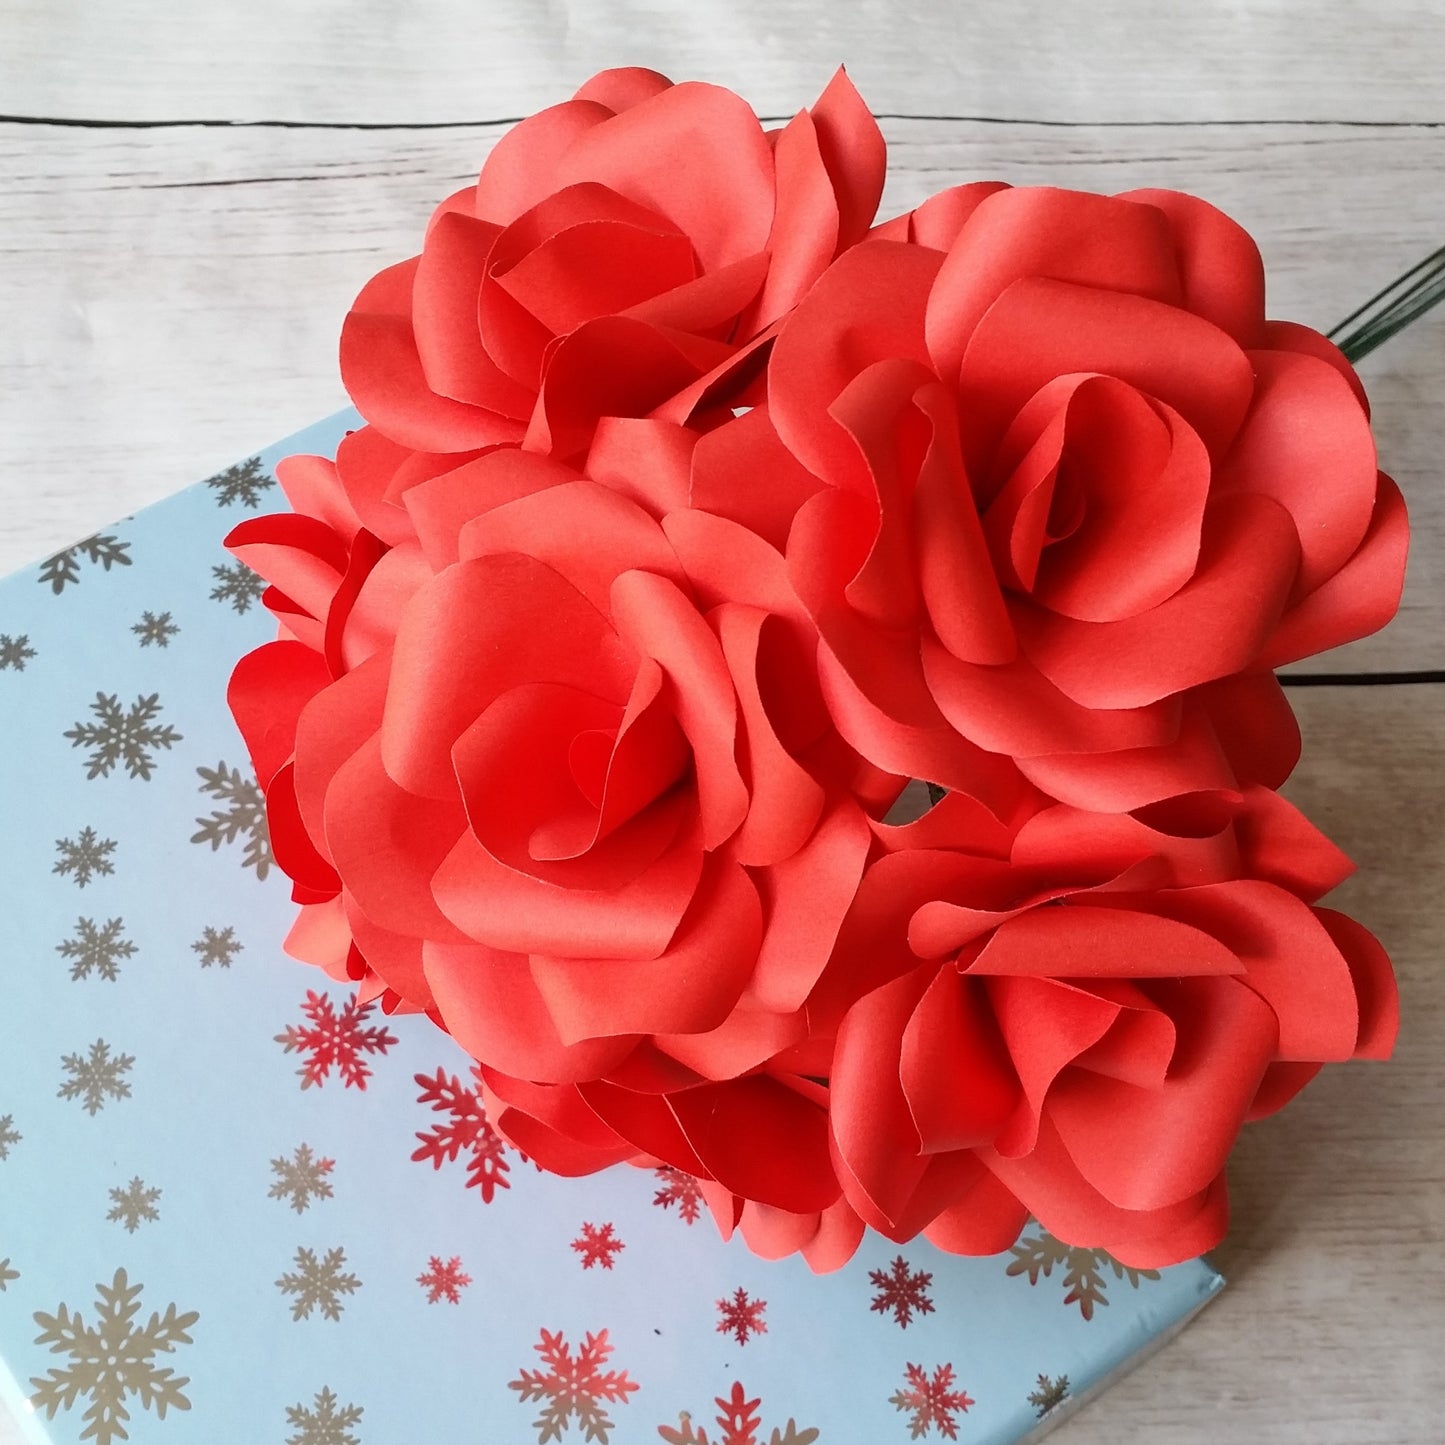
x=1220, y=268
x=1037, y=233
x=696, y=154
x=477, y=629
x=1040, y=329
x=954, y=1067
x=522, y=168
x=690, y=987
x=492, y=1008
x=763, y=1140
x=1147, y=1149
x=1359, y=599
x=382, y=371
x=1215, y=625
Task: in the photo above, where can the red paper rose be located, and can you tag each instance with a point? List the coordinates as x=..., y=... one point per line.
x=1078, y=1031
x=554, y=767
x=1075, y=479
x=616, y=248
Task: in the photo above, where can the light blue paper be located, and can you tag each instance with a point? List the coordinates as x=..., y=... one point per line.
x=212, y=1098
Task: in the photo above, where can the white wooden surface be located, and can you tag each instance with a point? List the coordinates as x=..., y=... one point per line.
x=170, y=296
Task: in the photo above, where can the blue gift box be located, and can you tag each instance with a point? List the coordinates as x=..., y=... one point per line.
x=236, y=1208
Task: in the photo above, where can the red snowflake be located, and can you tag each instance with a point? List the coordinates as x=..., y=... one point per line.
x=467, y=1128
x=741, y=1317
x=597, y=1244
x=931, y=1401
x=739, y=1423
x=444, y=1280
x=901, y=1291
x=679, y=1189
x=573, y=1387
x=335, y=1039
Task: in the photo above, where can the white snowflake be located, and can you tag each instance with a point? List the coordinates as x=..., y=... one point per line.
x=8, y=1136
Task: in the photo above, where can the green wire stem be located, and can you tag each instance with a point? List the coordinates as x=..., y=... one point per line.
x=1403, y=301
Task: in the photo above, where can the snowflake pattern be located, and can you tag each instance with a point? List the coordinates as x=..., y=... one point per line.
x=598, y=1244
x=15, y=652
x=1049, y=1395
x=328, y=1423
x=931, y=1400
x=217, y=946
x=64, y=567
x=680, y=1189
x=96, y=949
x=95, y=1077
x=122, y=736
x=901, y=1290
x=9, y=1137
x=444, y=1280
x=573, y=1388
x=318, y=1283
x=1084, y=1282
x=238, y=585
x=84, y=857
x=242, y=483
x=155, y=629
x=134, y=1205
x=242, y=815
x=301, y=1178
x=6, y=1273
x=335, y=1040
x=112, y=1359
x=467, y=1128
x=741, y=1317
x=738, y=1424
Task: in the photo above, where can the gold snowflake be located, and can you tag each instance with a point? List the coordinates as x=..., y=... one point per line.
x=112, y=1359
x=96, y=1076
x=326, y=1424
x=301, y=1176
x=1049, y=1395
x=6, y=1273
x=84, y=856
x=134, y=1205
x=1084, y=1281
x=155, y=629
x=318, y=1284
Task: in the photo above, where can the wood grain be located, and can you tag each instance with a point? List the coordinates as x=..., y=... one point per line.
x=440, y=61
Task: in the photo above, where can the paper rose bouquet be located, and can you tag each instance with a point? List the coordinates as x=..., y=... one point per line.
x=696, y=517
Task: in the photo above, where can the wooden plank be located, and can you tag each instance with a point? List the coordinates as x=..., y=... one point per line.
x=173, y=297
x=446, y=60
x=1330, y=1332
